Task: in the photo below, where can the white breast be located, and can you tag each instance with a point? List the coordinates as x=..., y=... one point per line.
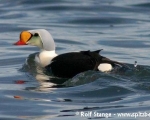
x=105, y=67
x=44, y=58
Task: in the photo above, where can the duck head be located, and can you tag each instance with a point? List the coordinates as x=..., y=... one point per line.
x=38, y=37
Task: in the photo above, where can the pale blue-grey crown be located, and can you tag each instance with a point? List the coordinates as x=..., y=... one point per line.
x=46, y=38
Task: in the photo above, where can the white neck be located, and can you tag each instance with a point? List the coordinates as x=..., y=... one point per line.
x=44, y=57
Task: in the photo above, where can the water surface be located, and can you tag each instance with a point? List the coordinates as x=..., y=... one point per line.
x=121, y=28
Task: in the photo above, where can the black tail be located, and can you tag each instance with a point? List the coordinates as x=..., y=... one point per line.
x=106, y=60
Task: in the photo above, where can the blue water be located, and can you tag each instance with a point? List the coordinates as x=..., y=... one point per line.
x=119, y=27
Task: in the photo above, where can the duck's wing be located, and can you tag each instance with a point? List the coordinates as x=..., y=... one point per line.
x=69, y=64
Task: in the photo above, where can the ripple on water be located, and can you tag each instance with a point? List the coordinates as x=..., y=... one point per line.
x=144, y=5
x=103, y=20
x=124, y=44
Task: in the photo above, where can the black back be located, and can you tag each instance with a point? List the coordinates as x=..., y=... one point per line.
x=70, y=64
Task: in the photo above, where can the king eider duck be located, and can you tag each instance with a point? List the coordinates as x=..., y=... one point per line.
x=65, y=65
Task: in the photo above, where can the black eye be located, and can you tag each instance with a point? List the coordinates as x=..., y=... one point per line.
x=36, y=34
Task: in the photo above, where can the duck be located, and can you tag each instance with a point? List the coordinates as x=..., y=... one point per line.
x=66, y=65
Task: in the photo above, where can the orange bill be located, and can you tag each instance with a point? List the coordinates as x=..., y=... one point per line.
x=24, y=37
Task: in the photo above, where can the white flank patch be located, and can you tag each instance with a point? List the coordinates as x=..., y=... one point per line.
x=105, y=67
